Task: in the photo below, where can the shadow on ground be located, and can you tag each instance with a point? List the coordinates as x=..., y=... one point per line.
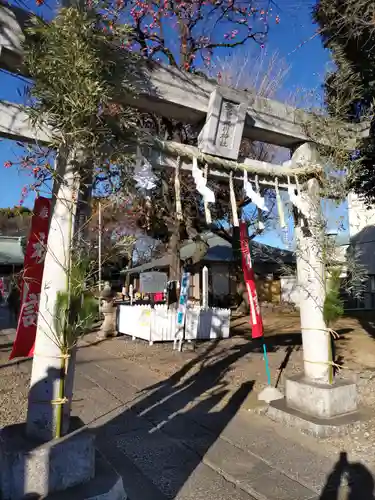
x=352, y=481
x=191, y=412
x=367, y=322
x=155, y=443
x=158, y=441
x=172, y=407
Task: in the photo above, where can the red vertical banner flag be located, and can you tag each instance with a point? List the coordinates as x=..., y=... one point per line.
x=32, y=279
x=249, y=277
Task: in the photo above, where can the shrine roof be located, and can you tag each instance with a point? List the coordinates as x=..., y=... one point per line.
x=11, y=251
x=220, y=250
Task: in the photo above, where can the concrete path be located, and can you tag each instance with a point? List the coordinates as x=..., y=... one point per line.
x=185, y=438
x=188, y=438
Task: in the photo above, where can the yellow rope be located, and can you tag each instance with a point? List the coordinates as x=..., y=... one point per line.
x=60, y=356
x=330, y=363
x=57, y=401
x=334, y=334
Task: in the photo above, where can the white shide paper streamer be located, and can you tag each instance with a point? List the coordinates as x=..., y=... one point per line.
x=296, y=199
x=143, y=174
x=255, y=197
x=201, y=183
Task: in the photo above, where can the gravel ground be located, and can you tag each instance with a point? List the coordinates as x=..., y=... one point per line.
x=14, y=382
x=236, y=360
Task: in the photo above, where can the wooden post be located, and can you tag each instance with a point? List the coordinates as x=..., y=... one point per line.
x=100, y=246
x=205, y=287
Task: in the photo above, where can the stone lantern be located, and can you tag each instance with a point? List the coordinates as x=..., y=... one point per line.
x=108, y=309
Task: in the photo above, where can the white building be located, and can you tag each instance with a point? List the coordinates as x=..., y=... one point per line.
x=359, y=243
x=362, y=244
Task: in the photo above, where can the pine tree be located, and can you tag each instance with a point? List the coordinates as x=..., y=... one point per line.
x=347, y=29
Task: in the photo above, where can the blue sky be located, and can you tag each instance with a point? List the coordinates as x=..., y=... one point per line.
x=295, y=43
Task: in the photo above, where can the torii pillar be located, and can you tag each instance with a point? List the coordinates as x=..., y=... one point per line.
x=33, y=461
x=312, y=402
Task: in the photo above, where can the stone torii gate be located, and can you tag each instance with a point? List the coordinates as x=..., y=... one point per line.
x=310, y=400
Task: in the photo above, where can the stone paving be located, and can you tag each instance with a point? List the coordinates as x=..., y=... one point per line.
x=186, y=438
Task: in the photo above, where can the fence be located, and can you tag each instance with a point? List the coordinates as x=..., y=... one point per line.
x=134, y=321
x=159, y=324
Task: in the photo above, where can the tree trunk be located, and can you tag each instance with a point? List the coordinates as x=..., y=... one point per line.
x=236, y=247
x=174, y=246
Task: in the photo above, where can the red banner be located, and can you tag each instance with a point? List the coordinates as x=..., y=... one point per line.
x=249, y=277
x=32, y=279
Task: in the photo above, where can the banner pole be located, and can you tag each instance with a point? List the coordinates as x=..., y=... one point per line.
x=269, y=393
x=268, y=371
x=100, y=247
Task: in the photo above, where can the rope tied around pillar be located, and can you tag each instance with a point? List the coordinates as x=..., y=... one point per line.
x=56, y=401
x=330, y=363
x=59, y=356
x=59, y=401
x=332, y=332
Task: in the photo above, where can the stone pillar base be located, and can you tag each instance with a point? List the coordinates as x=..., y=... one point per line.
x=321, y=400
x=59, y=467
x=106, y=485
x=318, y=409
